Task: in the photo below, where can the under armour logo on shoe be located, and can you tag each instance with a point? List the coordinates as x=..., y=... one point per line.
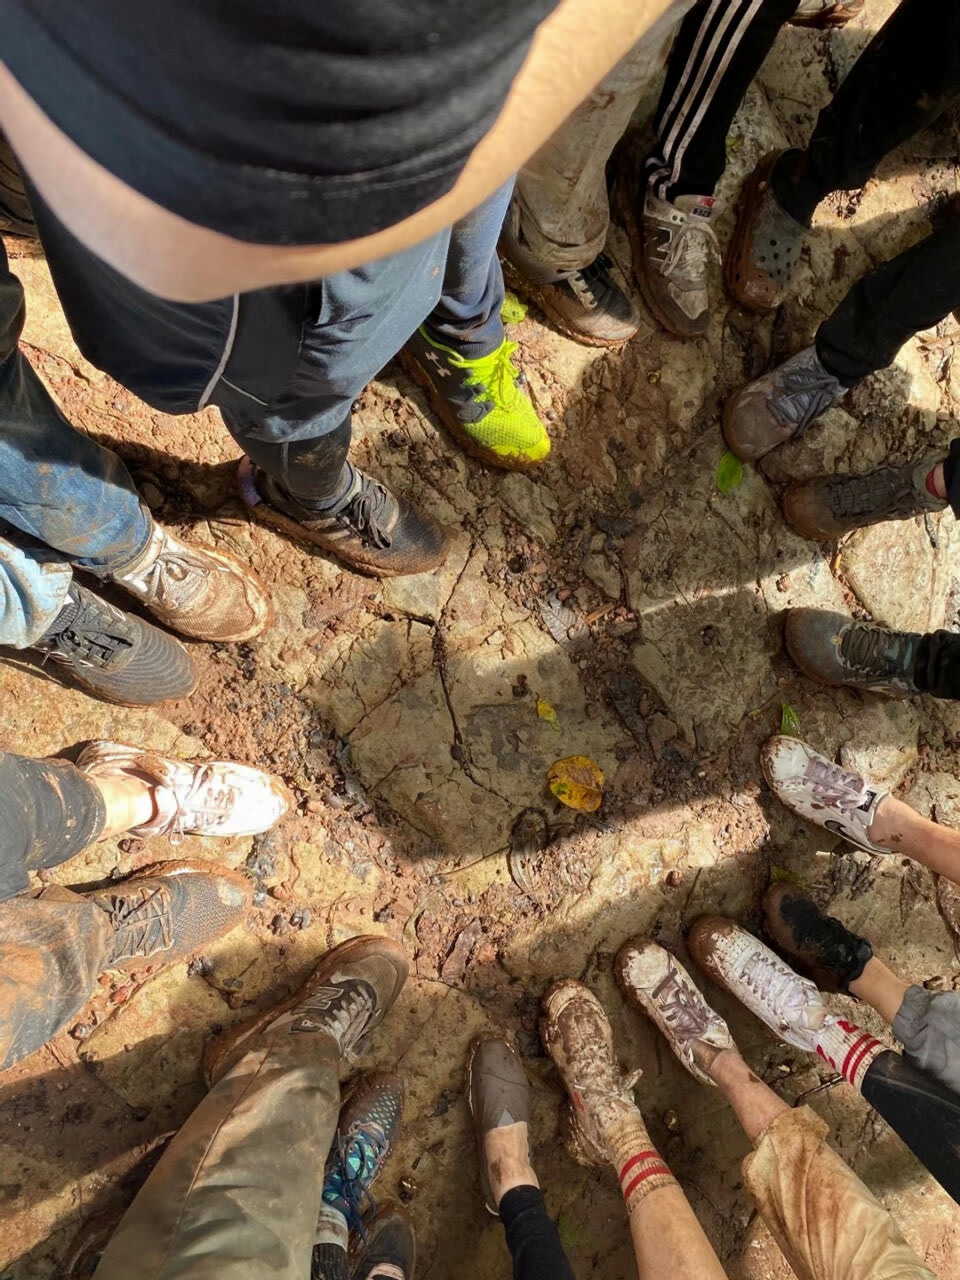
x=438, y=364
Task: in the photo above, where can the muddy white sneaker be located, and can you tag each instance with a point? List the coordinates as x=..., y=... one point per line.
x=673, y=259
x=820, y=791
x=791, y=1006
x=197, y=591
x=577, y=1035
x=656, y=983
x=209, y=798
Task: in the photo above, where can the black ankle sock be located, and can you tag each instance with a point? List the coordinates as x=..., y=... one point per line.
x=329, y=1262
x=344, y=483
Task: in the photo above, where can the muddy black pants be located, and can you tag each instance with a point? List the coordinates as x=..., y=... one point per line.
x=936, y=668
x=532, y=1237
x=907, y=76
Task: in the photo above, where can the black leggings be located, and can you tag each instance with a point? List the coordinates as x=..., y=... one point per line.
x=49, y=811
x=532, y=1237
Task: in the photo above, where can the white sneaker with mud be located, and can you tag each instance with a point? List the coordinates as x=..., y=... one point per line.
x=791, y=1006
x=196, y=591
x=656, y=983
x=818, y=790
x=209, y=798
x=672, y=261
x=577, y=1035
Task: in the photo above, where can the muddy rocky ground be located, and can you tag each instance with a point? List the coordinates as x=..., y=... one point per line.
x=646, y=607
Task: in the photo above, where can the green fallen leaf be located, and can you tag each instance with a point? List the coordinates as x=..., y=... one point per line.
x=788, y=877
x=571, y=1233
x=512, y=310
x=789, y=721
x=729, y=472
x=546, y=712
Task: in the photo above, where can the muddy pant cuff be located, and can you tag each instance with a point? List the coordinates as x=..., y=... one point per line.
x=332, y=1227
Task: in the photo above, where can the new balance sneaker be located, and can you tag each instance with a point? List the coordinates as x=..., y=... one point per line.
x=346, y=996
x=369, y=529
x=765, y=246
x=830, y=506
x=586, y=304
x=819, y=791
x=673, y=250
x=196, y=591
x=366, y=1135
x=826, y=13
x=498, y=1094
x=208, y=798
x=389, y=1251
x=576, y=1033
x=657, y=984
x=836, y=650
x=482, y=401
x=114, y=655
x=779, y=406
x=790, y=1005
x=819, y=944
x=167, y=912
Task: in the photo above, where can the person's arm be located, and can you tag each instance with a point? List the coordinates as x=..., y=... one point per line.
x=573, y=50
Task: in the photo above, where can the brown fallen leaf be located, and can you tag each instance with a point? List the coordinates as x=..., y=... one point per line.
x=577, y=781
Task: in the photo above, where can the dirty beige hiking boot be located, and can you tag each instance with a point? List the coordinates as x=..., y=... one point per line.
x=196, y=591
x=576, y=1033
x=828, y=507
x=167, y=911
x=347, y=995
x=209, y=798
x=779, y=405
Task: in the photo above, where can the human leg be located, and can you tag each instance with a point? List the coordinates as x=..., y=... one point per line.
x=55, y=946
x=238, y=1190
x=667, y=1238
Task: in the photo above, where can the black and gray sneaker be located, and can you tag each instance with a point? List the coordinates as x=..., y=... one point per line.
x=587, y=305
x=346, y=996
x=836, y=650
x=114, y=655
x=779, y=405
x=389, y=1251
x=370, y=529
x=819, y=945
x=830, y=506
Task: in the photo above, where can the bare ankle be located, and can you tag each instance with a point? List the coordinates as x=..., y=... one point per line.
x=506, y=1155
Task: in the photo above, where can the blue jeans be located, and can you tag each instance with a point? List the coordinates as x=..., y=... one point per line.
x=284, y=365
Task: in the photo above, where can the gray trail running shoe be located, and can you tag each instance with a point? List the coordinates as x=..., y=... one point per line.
x=655, y=982
x=676, y=248
x=830, y=506
x=790, y=1005
x=826, y=13
x=347, y=995
x=779, y=405
x=166, y=912
x=587, y=305
x=389, y=1251
x=498, y=1094
x=196, y=591
x=822, y=946
x=765, y=246
x=819, y=791
x=114, y=655
x=835, y=649
x=371, y=530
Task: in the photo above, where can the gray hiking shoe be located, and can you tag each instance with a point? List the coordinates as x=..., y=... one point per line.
x=836, y=650
x=826, y=13
x=830, y=506
x=114, y=655
x=677, y=247
x=498, y=1093
x=765, y=246
x=779, y=406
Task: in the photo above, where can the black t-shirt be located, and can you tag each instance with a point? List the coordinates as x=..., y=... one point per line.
x=281, y=121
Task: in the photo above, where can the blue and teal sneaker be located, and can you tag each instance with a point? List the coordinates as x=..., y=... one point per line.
x=366, y=1133
x=482, y=402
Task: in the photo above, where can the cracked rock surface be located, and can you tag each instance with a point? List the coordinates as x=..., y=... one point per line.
x=621, y=588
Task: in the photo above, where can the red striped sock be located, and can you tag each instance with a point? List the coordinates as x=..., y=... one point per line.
x=639, y=1165
x=848, y=1048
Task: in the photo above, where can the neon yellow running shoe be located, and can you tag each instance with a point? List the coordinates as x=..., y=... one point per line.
x=481, y=402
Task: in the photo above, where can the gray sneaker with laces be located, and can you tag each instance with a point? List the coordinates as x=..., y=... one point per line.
x=656, y=983
x=830, y=506
x=677, y=247
x=826, y=13
x=779, y=406
x=835, y=649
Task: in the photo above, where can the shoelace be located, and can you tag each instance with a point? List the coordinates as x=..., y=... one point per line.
x=845, y=792
x=875, y=652
x=87, y=637
x=878, y=493
x=585, y=282
x=776, y=984
x=681, y=1009
x=174, y=578
x=346, y=1020
x=199, y=806
x=367, y=511
x=141, y=922
x=495, y=376
x=347, y=1184
x=805, y=394
x=690, y=253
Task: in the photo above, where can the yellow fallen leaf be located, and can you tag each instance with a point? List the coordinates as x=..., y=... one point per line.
x=578, y=782
x=546, y=712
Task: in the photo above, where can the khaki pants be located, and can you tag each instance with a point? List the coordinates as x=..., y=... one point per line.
x=236, y=1194
x=829, y=1226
